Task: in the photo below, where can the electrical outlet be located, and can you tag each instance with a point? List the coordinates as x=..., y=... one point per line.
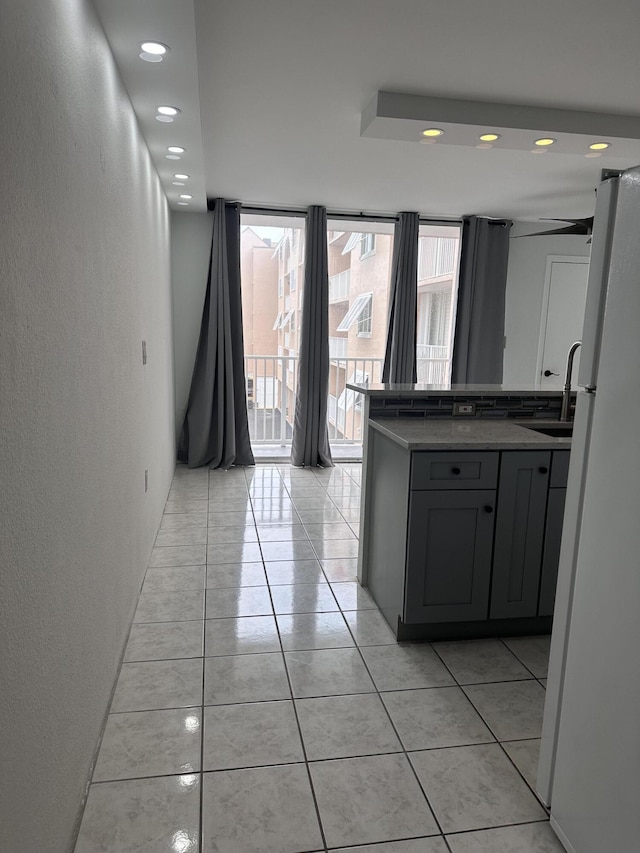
x=146, y=480
x=144, y=352
x=464, y=409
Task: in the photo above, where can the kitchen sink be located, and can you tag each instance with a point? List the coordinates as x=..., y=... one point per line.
x=557, y=431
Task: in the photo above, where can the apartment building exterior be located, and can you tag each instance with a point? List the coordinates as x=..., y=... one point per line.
x=359, y=264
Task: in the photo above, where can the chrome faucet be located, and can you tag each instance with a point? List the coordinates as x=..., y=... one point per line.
x=566, y=391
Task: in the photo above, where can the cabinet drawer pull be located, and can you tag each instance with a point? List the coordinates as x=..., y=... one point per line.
x=488, y=509
x=455, y=471
x=543, y=469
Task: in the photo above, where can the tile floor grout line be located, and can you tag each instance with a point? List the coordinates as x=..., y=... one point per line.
x=404, y=750
x=528, y=668
x=295, y=711
x=521, y=774
x=520, y=661
x=498, y=826
x=499, y=742
x=201, y=844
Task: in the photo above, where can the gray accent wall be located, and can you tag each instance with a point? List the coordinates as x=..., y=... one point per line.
x=84, y=279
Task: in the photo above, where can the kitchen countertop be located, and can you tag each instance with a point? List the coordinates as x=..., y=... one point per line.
x=397, y=390
x=471, y=434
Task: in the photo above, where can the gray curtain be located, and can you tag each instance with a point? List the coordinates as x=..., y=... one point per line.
x=479, y=337
x=400, y=356
x=310, y=443
x=216, y=430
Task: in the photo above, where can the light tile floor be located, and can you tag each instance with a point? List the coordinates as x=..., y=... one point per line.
x=264, y=706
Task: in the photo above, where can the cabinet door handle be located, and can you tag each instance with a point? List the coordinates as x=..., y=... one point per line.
x=550, y=373
x=543, y=469
x=455, y=471
x=488, y=509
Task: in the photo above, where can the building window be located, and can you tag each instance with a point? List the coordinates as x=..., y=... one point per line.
x=286, y=318
x=360, y=308
x=292, y=280
x=367, y=245
x=364, y=320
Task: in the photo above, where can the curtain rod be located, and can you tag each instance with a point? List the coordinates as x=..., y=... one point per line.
x=332, y=214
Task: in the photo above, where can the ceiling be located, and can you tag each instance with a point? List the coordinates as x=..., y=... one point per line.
x=272, y=92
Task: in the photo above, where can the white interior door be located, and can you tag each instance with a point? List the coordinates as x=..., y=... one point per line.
x=562, y=318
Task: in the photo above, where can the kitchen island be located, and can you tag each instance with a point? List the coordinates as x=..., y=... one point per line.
x=462, y=508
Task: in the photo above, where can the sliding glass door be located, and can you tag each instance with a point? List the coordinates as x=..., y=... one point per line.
x=272, y=275
x=438, y=262
x=360, y=254
x=359, y=258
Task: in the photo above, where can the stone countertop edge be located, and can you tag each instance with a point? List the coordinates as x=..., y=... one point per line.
x=394, y=390
x=462, y=434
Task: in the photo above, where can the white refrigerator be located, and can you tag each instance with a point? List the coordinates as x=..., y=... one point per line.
x=589, y=770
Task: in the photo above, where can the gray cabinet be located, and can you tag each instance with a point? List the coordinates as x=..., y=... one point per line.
x=520, y=525
x=449, y=555
x=553, y=532
x=464, y=543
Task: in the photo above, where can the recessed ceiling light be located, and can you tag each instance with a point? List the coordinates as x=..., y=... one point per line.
x=489, y=137
x=155, y=47
x=173, y=157
x=183, y=203
x=594, y=154
x=484, y=144
x=167, y=119
x=178, y=183
x=186, y=196
x=599, y=146
x=181, y=177
x=152, y=51
x=176, y=149
x=168, y=111
x=545, y=141
x=432, y=131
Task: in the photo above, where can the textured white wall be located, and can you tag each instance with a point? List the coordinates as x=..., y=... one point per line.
x=190, y=254
x=525, y=286
x=84, y=277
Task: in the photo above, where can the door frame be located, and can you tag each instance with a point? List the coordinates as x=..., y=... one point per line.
x=546, y=292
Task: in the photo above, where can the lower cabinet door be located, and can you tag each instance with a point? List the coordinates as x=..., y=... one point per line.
x=449, y=555
x=551, y=554
x=517, y=559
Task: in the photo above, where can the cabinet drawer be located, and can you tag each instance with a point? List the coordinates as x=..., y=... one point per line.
x=449, y=470
x=559, y=469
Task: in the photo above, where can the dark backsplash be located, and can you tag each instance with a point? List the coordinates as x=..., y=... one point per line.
x=541, y=406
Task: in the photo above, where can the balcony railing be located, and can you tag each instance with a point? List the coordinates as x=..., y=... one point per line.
x=339, y=286
x=426, y=351
x=271, y=393
x=433, y=364
x=434, y=371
